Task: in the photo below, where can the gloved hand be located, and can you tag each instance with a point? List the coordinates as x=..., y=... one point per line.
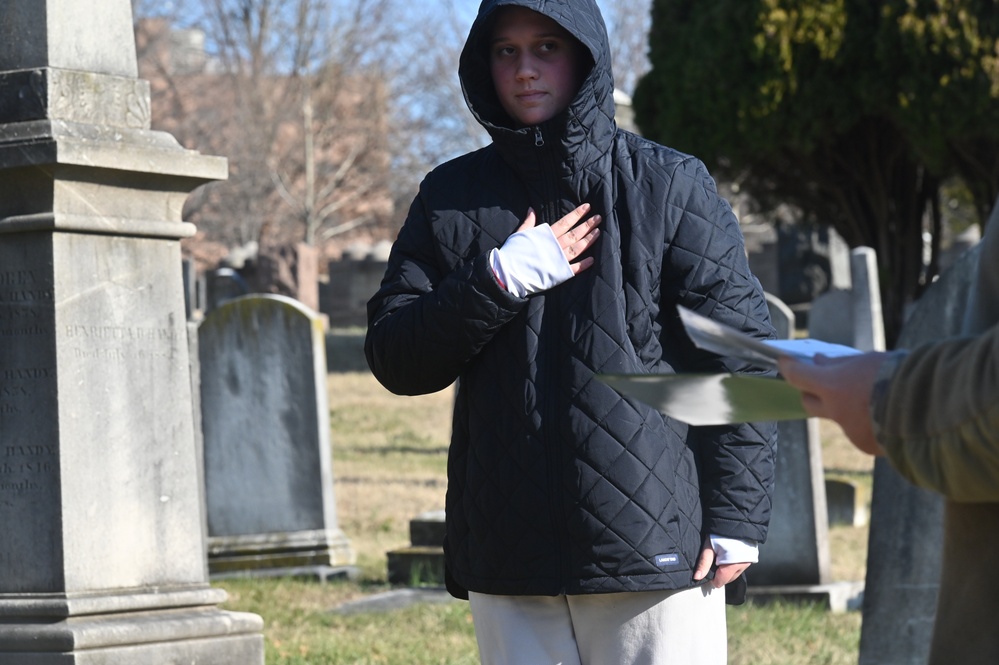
x=530, y=261
x=536, y=258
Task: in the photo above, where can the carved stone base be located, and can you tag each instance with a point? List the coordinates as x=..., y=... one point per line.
x=206, y=636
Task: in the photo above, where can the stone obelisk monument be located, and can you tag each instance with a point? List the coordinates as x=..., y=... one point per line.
x=102, y=556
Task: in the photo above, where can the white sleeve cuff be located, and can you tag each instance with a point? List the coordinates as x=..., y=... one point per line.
x=530, y=261
x=734, y=550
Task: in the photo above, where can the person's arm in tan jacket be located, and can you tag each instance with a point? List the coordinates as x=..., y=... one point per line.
x=934, y=411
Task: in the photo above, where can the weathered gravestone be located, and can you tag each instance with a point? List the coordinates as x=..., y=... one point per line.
x=781, y=317
x=794, y=562
x=222, y=285
x=101, y=544
x=868, y=319
x=797, y=547
x=852, y=316
x=268, y=463
x=288, y=270
x=352, y=282
x=422, y=562
x=904, y=546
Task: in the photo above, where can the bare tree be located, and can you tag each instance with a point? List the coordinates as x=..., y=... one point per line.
x=430, y=121
x=343, y=100
x=292, y=93
x=628, y=24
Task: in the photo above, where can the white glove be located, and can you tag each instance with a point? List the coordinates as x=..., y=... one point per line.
x=530, y=261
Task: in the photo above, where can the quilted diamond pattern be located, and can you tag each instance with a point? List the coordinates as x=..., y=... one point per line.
x=556, y=483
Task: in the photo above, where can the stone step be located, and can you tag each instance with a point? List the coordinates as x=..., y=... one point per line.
x=416, y=566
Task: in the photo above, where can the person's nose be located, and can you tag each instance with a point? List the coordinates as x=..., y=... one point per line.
x=526, y=68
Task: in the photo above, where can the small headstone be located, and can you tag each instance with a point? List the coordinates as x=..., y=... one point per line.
x=422, y=562
x=268, y=462
x=223, y=285
x=797, y=548
x=840, y=261
x=795, y=561
x=289, y=270
x=868, y=320
x=781, y=317
x=852, y=316
x=427, y=529
x=352, y=282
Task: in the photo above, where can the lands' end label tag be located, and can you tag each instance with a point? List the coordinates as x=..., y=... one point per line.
x=664, y=560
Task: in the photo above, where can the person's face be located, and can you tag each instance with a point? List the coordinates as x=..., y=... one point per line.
x=535, y=64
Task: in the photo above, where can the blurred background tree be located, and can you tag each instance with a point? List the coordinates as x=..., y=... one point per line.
x=853, y=111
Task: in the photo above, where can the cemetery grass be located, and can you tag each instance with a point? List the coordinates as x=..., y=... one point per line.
x=389, y=456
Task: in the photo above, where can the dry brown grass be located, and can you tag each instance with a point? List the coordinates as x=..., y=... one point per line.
x=839, y=455
x=847, y=544
x=389, y=462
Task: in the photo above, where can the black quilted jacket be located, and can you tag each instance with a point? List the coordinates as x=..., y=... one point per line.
x=557, y=484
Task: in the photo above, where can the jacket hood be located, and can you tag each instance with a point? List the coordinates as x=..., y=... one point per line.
x=593, y=106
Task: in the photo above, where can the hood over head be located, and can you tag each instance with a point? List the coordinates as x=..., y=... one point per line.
x=594, y=102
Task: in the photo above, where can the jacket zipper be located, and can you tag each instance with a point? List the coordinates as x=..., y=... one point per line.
x=550, y=427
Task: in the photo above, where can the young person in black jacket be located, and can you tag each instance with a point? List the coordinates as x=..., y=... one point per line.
x=584, y=527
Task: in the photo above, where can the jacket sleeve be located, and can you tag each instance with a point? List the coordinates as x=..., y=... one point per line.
x=706, y=270
x=937, y=417
x=429, y=317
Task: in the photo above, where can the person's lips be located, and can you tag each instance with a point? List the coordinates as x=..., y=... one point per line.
x=530, y=96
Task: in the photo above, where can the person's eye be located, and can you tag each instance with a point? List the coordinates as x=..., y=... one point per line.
x=503, y=51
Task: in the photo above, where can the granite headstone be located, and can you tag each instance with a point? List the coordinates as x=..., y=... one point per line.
x=852, y=315
x=268, y=461
x=797, y=548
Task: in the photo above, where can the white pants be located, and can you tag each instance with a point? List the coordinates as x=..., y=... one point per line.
x=637, y=628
